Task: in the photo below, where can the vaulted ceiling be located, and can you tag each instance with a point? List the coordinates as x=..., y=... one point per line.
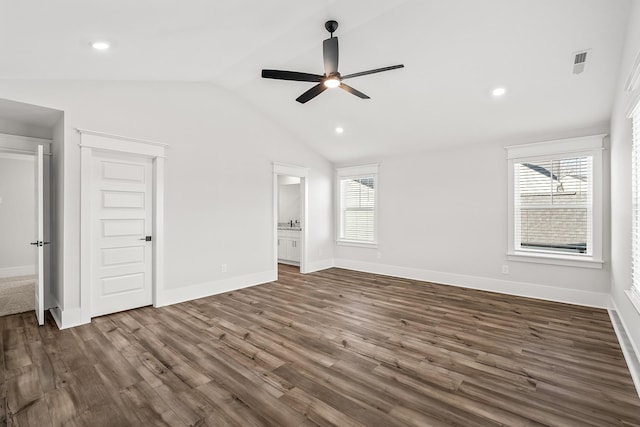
x=455, y=52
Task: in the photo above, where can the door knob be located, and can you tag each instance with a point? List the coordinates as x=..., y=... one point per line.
x=146, y=238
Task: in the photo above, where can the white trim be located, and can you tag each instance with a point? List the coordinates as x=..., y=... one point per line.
x=202, y=290
x=122, y=138
x=303, y=174
x=349, y=171
x=56, y=313
x=356, y=243
x=633, y=81
x=22, y=270
x=158, y=226
x=523, y=289
x=121, y=144
x=633, y=105
x=560, y=146
x=591, y=146
x=69, y=318
x=291, y=170
x=354, y=172
x=635, y=301
x=91, y=140
x=556, y=259
x=323, y=264
x=629, y=348
x=24, y=144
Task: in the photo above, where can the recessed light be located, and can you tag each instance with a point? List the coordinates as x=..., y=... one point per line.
x=339, y=130
x=499, y=91
x=100, y=45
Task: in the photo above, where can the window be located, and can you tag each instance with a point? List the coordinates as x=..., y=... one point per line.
x=555, y=202
x=357, y=188
x=635, y=209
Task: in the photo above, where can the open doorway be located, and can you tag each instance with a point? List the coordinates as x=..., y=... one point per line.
x=290, y=214
x=24, y=201
x=17, y=221
x=29, y=136
x=289, y=223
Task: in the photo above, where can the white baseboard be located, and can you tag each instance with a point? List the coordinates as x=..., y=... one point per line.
x=56, y=313
x=68, y=318
x=319, y=265
x=629, y=348
x=201, y=290
x=23, y=270
x=523, y=289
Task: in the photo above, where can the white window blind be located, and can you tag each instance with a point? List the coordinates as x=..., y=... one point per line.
x=555, y=202
x=553, y=205
x=357, y=204
x=358, y=201
x=635, y=201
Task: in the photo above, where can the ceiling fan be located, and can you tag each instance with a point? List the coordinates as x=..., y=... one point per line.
x=331, y=77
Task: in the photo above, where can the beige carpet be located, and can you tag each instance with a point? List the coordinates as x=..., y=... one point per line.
x=16, y=294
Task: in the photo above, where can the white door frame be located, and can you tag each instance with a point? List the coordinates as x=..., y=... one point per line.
x=303, y=174
x=90, y=141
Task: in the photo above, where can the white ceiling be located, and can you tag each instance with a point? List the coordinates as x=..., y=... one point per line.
x=455, y=53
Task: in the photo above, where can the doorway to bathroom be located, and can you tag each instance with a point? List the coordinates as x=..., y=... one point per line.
x=290, y=214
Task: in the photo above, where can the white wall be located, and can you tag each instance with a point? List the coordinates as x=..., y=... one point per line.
x=220, y=148
x=443, y=217
x=17, y=214
x=621, y=183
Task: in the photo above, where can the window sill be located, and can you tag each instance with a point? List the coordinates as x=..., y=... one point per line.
x=357, y=243
x=634, y=299
x=566, y=260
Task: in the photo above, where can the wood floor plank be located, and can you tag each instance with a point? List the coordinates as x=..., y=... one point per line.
x=335, y=347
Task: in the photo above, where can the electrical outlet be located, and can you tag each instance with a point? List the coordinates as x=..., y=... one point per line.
x=223, y=268
x=505, y=269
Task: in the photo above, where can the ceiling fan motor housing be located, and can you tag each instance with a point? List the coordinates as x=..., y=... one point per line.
x=331, y=26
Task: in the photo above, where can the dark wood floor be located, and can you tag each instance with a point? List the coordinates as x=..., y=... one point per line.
x=330, y=348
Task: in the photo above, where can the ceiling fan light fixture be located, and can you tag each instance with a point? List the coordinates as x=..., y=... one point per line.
x=499, y=91
x=100, y=45
x=332, y=82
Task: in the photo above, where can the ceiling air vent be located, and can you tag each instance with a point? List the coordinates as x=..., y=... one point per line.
x=580, y=61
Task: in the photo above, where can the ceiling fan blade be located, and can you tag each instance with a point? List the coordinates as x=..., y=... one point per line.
x=330, y=55
x=377, y=70
x=353, y=91
x=291, y=75
x=311, y=93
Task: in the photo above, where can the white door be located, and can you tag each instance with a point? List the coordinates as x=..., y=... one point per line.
x=39, y=234
x=121, y=217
